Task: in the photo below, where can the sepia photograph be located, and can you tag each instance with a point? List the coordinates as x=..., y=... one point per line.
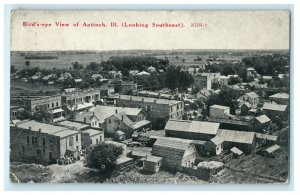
x=150, y=97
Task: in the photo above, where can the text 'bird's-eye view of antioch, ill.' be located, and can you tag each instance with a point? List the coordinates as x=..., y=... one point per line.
x=213, y=110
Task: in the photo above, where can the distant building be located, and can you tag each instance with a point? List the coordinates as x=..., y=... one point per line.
x=205, y=80
x=127, y=87
x=251, y=97
x=115, y=74
x=261, y=122
x=151, y=69
x=80, y=100
x=275, y=110
x=280, y=98
x=156, y=109
x=16, y=112
x=223, y=80
x=218, y=111
x=195, y=130
x=33, y=104
x=32, y=141
x=175, y=153
x=152, y=164
x=245, y=107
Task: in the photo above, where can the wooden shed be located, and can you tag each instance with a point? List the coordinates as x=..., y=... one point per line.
x=152, y=163
x=175, y=152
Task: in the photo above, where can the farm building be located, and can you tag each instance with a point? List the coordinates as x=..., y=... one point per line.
x=275, y=110
x=38, y=142
x=218, y=111
x=175, y=152
x=195, y=130
x=245, y=141
x=271, y=151
x=265, y=139
x=91, y=137
x=236, y=152
x=152, y=163
x=215, y=145
x=261, y=122
x=280, y=98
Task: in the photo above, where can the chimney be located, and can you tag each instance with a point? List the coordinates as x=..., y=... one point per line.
x=40, y=130
x=122, y=117
x=116, y=111
x=142, y=99
x=30, y=128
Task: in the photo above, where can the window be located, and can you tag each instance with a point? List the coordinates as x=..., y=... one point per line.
x=32, y=140
x=97, y=141
x=51, y=142
x=91, y=141
x=109, y=121
x=93, y=124
x=77, y=147
x=44, y=152
x=100, y=138
x=48, y=105
x=44, y=141
x=52, y=105
x=71, y=141
x=77, y=138
x=56, y=104
x=23, y=148
x=28, y=139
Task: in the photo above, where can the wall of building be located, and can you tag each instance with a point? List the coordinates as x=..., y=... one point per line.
x=32, y=146
x=70, y=143
x=151, y=166
x=218, y=113
x=114, y=124
x=188, y=135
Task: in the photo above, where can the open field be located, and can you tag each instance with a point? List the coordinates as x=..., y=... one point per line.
x=18, y=87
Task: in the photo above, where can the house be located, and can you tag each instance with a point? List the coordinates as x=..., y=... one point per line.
x=193, y=71
x=16, y=112
x=133, y=72
x=215, y=145
x=233, y=124
x=33, y=141
x=243, y=140
x=115, y=74
x=203, y=94
x=218, y=111
x=251, y=72
x=128, y=87
x=78, y=80
x=151, y=69
x=91, y=137
x=271, y=151
x=245, y=107
x=275, y=110
x=175, y=152
x=254, y=84
x=251, y=97
x=143, y=73
x=265, y=139
x=152, y=163
x=118, y=122
x=157, y=109
x=223, y=80
x=97, y=76
x=261, y=123
x=195, y=130
x=33, y=104
x=280, y=98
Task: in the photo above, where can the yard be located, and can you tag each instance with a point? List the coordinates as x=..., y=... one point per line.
x=255, y=169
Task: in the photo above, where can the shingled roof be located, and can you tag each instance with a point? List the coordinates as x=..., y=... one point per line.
x=237, y=136
x=170, y=147
x=274, y=107
x=193, y=126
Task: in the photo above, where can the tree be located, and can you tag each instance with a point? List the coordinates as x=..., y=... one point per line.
x=43, y=115
x=77, y=66
x=13, y=69
x=27, y=63
x=103, y=156
x=175, y=78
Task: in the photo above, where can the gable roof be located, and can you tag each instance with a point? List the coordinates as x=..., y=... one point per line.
x=122, y=117
x=193, y=126
x=237, y=136
x=148, y=99
x=263, y=119
x=170, y=147
x=219, y=107
x=274, y=107
x=236, y=151
x=217, y=140
x=280, y=96
x=252, y=95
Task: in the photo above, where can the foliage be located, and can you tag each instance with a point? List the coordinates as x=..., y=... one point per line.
x=177, y=79
x=13, y=69
x=103, y=156
x=42, y=115
x=234, y=80
x=77, y=66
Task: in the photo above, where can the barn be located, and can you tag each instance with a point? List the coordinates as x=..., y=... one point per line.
x=175, y=152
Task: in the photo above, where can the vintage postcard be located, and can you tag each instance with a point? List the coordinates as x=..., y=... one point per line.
x=150, y=97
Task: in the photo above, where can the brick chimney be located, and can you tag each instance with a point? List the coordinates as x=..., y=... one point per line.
x=40, y=130
x=116, y=111
x=30, y=128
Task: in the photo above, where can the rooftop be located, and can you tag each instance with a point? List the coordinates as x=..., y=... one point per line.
x=92, y=132
x=65, y=133
x=193, y=126
x=236, y=151
x=280, y=96
x=274, y=107
x=252, y=95
x=263, y=119
x=272, y=149
x=73, y=124
x=219, y=107
x=45, y=128
x=153, y=158
x=237, y=136
x=148, y=99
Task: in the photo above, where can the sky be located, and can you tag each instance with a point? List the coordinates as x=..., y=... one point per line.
x=219, y=30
